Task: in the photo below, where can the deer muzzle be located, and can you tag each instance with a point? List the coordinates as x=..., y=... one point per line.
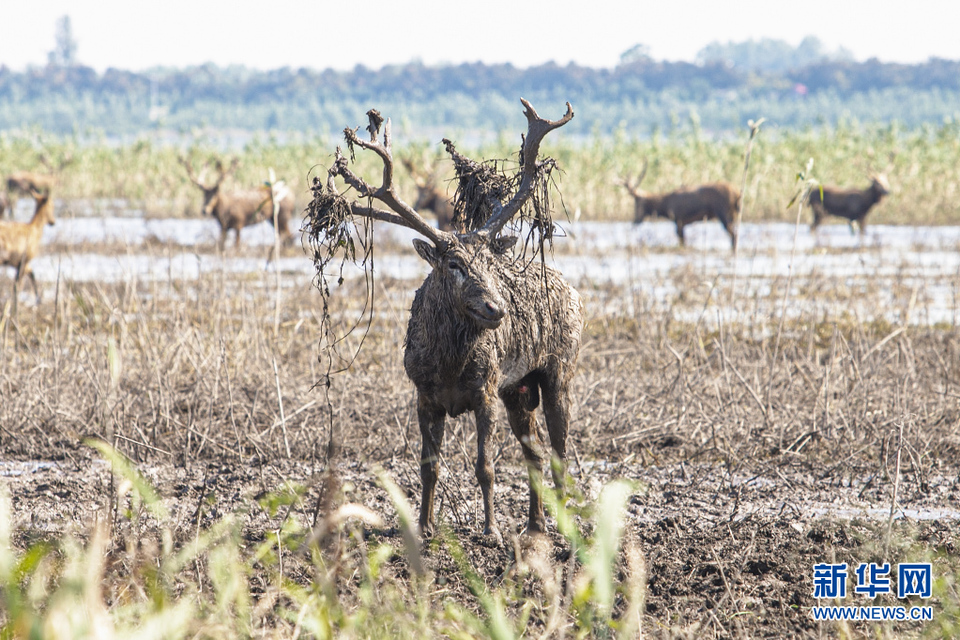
x=488, y=314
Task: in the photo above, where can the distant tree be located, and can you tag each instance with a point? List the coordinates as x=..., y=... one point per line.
x=636, y=53
x=64, y=52
x=771, y=56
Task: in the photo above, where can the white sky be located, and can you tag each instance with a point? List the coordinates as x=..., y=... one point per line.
x=138, y=34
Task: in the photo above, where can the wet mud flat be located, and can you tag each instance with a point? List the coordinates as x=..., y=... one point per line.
x=757, y=449
x=724, y=556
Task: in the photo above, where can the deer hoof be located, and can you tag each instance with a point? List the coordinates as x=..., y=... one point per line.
x=492, y=537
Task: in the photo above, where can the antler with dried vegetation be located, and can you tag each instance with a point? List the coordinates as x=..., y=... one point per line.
x=481, y=326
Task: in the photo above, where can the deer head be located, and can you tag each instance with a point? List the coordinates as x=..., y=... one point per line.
x=44, y=210
x=878, y=182
x=211, y=192
x=466, y=273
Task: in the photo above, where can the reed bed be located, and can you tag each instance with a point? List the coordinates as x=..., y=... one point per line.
x=921, y=165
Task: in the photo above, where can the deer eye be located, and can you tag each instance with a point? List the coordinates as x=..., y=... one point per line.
x=457, y=267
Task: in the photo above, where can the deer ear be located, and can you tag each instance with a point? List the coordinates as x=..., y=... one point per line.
x=501, y=245
x=427, y=251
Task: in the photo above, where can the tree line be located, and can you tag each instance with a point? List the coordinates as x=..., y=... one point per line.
x=644, y=92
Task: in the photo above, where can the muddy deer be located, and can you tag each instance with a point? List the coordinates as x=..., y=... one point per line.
x=482, y=325
x=852, y=204
x=238, y=209
x=714, y=201
x=20, y=242
x=430, y=196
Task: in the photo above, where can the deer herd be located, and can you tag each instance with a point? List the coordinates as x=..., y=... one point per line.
x=484, y=325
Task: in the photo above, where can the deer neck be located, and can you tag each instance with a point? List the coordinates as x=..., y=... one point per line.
x=39, y=216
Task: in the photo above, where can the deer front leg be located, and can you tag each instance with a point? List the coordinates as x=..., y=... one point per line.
x=33, y=281
x=683, y=241
x=484, y=469
x=431, y=419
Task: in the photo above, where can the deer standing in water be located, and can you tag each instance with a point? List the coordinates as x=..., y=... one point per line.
x=852, y=204
x=235, y=210
x=714, y=201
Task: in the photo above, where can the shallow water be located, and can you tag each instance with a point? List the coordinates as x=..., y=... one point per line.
x=833, y=272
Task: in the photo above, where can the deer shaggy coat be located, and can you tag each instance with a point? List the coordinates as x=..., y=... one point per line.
x=482, y=327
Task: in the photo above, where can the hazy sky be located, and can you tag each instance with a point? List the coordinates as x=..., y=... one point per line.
x=138, y=34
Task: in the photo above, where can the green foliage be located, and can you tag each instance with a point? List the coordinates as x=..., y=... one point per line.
x=920, y=164
x=348, y=584
x=67, y=98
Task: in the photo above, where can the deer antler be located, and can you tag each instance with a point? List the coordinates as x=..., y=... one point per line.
x=401, y=213
x=537, y=128
x=189, y=167
x=226, y=172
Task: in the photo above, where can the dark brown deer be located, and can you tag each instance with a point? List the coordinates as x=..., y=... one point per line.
x=715, y=201
x=482, y=326
x=430, y=197
x=238, y=209
x=20, y=242
x=852, y=204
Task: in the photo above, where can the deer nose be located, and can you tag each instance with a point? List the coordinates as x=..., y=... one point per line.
x=494, y=311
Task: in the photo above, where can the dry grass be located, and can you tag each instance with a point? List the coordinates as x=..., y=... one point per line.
x=695, y=395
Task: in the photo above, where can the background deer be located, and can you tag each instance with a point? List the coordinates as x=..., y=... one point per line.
x=20, y=242
x=852, y=204
x=482, y=325
x=430, y=196
x=26, y=182
x=715, y=201
x=238, y=209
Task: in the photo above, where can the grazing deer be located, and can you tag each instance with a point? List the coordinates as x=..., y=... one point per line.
x=238, y=209
x=20, y=242
x=852, y=204
x=482, y=326
x=431, y=197
x=718, y=200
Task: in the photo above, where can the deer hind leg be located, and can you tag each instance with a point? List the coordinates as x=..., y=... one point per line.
x=523, y=423
x=431, y=418
x=556, y=410
x=680, y=236
x=484, y=470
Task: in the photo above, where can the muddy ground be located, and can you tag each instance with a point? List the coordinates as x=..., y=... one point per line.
x=759, y=448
